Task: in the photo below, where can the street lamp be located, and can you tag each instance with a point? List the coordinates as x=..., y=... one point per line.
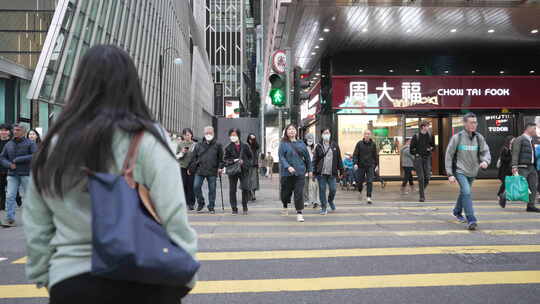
x=176, y=61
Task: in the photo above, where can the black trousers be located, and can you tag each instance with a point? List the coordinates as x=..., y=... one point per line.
x=188, y=183
x=3, y=185
x=366, y=174
x=423, y=171
x=407, y=176
x=88, y=289
x=293, y=184
x=233, y=185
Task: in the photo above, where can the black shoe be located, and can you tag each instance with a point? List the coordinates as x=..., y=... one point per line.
x=191, y=208
x=200, y=209
x=472, y=226
x=254, y=198
x=533, y=209
x=245, y=211
x=502, y=201
x=422, y=199
x=211, y=211
x=315, y=206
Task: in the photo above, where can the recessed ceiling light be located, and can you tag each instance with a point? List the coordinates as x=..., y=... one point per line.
x=316, y=46
x=535, y=31
x=446, y=72
x=321, y=39
x=491, y=31
x=531, y=72
x=417, y=70
x=326, y=30
x=501, y=72
x=391, y=71
x=361, y=71
x=473, y=72
x=323, y=76
x=453, y=30
x=365, y=30
x=313, y=53
x=318, y=74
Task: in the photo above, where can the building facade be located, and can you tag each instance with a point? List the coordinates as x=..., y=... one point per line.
x=147, y=30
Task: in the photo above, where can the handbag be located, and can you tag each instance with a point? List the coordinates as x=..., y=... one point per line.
x=234, y=168
x=194, y=165
x=128, y=241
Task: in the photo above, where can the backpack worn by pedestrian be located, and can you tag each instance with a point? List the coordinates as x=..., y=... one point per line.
x=128, y=241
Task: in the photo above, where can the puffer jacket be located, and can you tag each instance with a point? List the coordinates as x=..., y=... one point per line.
x=18, y=151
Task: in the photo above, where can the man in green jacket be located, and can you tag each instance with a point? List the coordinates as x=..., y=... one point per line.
x=524, y=162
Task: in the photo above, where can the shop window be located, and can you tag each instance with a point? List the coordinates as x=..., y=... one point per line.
x=43, y=118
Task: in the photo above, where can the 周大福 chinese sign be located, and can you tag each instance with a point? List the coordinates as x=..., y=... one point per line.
x=353, y=92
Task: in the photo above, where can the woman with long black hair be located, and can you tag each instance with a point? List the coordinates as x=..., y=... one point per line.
x=34, y=136
x=104, y=112
x=184, y=153
x=238, y=154
x=294, y=162
x=505, y=168
x=254, y=168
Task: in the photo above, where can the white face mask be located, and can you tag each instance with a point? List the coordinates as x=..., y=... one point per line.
x=209, y=137
x=234, y=139
x=310, y=142
x=326, y=137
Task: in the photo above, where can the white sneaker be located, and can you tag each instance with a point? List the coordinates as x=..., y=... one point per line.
x=285, y=212
x=369, y=201
x=306, y=204
x=300, y=218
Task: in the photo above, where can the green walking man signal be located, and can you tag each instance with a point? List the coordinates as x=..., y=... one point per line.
x=277, y=93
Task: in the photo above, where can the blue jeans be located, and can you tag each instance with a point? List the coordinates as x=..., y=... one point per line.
x=197, y=184
x=13, y=183
x=331, y=182
x=350, y=176
x=464, y=200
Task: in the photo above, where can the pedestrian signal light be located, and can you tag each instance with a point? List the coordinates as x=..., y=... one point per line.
x=277, y=93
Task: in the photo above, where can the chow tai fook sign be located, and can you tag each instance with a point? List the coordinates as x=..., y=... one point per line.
x=432, y=92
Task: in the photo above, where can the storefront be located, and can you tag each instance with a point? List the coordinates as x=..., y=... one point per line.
x=309, y=109
x=393, y=107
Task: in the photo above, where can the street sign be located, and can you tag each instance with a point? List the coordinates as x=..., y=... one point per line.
x=279, y=62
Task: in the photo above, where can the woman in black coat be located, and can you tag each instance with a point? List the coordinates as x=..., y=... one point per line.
x=505, y=168
x=238, y=152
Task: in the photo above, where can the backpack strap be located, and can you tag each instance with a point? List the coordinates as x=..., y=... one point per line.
x=129, y=162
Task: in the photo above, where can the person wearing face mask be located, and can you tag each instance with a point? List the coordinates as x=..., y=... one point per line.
x=184, y=154
x=348, y=166
x=238, y=152
x=328, y=165
x=311, y=187
x=206, y=164
x=253, y=173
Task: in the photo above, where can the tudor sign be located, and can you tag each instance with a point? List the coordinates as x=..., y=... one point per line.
x=279, y=62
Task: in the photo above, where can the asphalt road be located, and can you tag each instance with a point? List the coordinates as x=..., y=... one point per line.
x=395, y=251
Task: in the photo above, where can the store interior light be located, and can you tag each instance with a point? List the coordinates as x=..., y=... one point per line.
x=417, y=71
x=313, y=53
x=535, y=31
x=326, y=30
x=446, y=72
x=317, y=74
x=491, y=31
x=473, y=72
x=365, y=30
x=531, y=72
x=501, y=72
x=361, y=71
x=453, y=30
x=316, y=46
x=391, y=71
x=321, y=39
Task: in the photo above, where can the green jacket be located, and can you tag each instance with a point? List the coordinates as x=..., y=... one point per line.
x=185, y=158
x=59, y=233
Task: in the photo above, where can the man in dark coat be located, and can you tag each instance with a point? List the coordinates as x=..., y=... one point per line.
x=17, y=156
x=366, y=161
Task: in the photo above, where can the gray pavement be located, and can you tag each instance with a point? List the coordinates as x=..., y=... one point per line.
x=359, y=254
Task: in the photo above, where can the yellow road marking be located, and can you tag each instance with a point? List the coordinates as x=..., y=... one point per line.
x=351, y=223
x=366, y=207
x=288, y=234
x=329, y=283
x=362, y=252
x=351, y=213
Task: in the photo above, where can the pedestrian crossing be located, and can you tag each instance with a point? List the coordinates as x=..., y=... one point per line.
x=505, y=253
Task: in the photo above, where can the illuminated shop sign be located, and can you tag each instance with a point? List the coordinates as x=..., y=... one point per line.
x=364, y=93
